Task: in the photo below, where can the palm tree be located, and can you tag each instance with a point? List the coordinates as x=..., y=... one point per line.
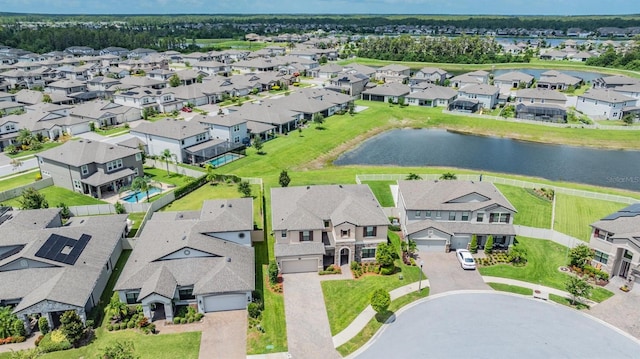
x=116, y=309
x=25, y=137
x=141, y=184
x=413, y=177
x=166, y=155
x=448, y=176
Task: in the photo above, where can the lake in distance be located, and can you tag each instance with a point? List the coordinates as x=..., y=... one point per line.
x=440, y=148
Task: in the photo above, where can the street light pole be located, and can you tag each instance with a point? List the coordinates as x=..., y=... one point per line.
x=420, y=282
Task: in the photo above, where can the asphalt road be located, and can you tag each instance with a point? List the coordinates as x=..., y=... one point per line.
x=493, y=325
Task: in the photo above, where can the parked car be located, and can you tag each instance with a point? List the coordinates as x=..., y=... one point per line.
x=186, y=109
x=466, y=259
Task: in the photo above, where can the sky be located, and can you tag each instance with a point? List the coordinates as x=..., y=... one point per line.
x=466, y=7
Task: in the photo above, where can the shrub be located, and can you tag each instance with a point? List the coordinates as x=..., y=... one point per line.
x=39, y=339
x=380, y=300
x=580, y=255
x=254, y=310
x=183, y=320
x=387, y=270
x=123, y=325
x=54, y=341
x=38, y=176
x=110, y=327
x=176, y=320
x=199, y=316
x=89, y=323
x=190, y=187
x=488, y=246
x=473, y=246
x=18, y=328
x=131, y=324
x=355, y=265
x=43, y=325
x=273, y=272
x=190, y=320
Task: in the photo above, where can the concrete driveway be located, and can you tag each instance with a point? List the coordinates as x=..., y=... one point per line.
x=622, y=309
x=308, y=332
x=493, y=325
x=224, y=335
x=445, y=274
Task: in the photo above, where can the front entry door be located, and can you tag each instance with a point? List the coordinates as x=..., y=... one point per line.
x=624, y=269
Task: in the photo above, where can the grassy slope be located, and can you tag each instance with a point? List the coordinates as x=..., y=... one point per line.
x=574, y=214
x=532, y=210
x=160, y=175
x=17, y=181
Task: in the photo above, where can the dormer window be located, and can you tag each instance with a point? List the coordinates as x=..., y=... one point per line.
x=84, y=169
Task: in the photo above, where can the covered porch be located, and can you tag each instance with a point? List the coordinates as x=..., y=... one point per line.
x=206, y=150
x=99, y=184
x=157, y=307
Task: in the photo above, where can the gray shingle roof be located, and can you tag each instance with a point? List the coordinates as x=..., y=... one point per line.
x=389, y=89
x=81, y=152
x=609, y=96
x=171, y=128
x=434, y=93
x=540, y=93
x=480, y=89
x=514, y=76
x=457, y=227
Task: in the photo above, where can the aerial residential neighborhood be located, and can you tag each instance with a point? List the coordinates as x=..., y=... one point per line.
x=305, y=188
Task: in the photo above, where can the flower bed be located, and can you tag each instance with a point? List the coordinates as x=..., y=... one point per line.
x=591, y=274
x=497, y=257
x=187, y=314
x=133, y=319
x=332, y=269
x=359, y=269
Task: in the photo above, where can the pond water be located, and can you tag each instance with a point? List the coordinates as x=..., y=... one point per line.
x=428, y=147
x=585, y=75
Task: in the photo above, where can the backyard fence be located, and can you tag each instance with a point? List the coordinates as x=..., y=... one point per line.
x=15, y=192
x=173, y=167
x=98, y=209
x=506, y=181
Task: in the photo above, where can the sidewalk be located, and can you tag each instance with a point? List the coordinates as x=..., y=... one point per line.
x=519, y=283
x=363, y=318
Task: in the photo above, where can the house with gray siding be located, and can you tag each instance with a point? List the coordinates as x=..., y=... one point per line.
x=540, y=96
x=317, y=226
x=470, y=78
x=90, y=167
x=430, y=75
x=393, y=73
x=432, y=96
x=200, y=258
x=555, y=80
x=604, y=103
x=392, y=91
x=486, y=95
x=47, y=269
x=444, y=215
x=512, y=80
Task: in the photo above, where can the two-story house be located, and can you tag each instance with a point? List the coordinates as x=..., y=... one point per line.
x=482, y=95
x=393, y=73
x=604, y=104
x=231, y=128
x=615, y=240
x=541, y=104
x=469, y=78
x=444, y=215
x=91, y=167
x=198, y=258
x=317, y=226
x=429, y=74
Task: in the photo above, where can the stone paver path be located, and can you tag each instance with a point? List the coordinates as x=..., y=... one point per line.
x=519, y=283
x=445, y=274
x=622, y=309
x=308, y=331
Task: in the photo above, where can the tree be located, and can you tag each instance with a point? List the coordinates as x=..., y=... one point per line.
x=284, y=179
x=413, y=177
x=119, y=350
x=578, y=288
x=43, y=325
x=174, y=81
x=8, y=322
x=258, y=144
x=166, y=156
x=273, y=272
x=517, y=255
x=25, y=137
x=244, y=188
x=32, y=199
x=628, y=119
x=318, y=119
x=65, y=213
x=488, y=246
x=380, y=300
x=448, y=176
x=116, y=309
x=580, y=256
x=473, y=246
x=140, y=184
x=71, y=326
x=384, y=255
x=119, y=207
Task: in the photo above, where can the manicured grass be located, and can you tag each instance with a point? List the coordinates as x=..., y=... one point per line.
x=273, y=321
x=112, y=131
x=533, y=210
x=376, y=323
x=17, y=181
x=137, y=219
x=575, y=214
x=345, y=299
x=160, y=175
x=56, y=195
x=565, y=301
x=232, y=44
x=382, y=192
x=544, y=258
x=615, y=123
x=511, y=288
x=45, y=146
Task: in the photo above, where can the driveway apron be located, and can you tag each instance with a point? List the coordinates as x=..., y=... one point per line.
x=445, y=274
x=308, y=333
x=224, y=335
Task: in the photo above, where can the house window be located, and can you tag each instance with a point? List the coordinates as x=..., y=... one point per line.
x=84, y=169
x=114, y=165
x=370, y=231
x=132, y=297
x=368, y=253
x=465, y=216
x=345, y=233
x=201, y=137
x=283, y=234
x=438, y=215
x=186, y=293
x=452, y=216
x=418, y=214
x=600, y=257
x=480, y=217
x=77, y=184
x=236, y=139
x=306, y=236
x=236, y=128
x=326, y=224
x=10, y=127
x=138, y=156
x=499, y=217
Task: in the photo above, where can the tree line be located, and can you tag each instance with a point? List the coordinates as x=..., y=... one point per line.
x=630, y=60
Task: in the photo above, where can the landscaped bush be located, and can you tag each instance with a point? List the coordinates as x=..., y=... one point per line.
x=190, y=187
x=273, y=272
x=255, y=309
x=38, y=340
x=183, y=320
x=43, y=325
x=54, y=341
x=332, y=269
x=123, y=325
x=110, y=327
x=176, y=320
x=131, y=324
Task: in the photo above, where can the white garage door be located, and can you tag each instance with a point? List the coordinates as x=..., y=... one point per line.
x=459, y=242
x=431, y=245
x=217, y=303
x=299, y=266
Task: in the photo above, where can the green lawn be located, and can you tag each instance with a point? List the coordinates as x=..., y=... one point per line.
x=345, y=299
x=56, y=195
x=565, y=301
x=160, y=175
x=17, y=181
x=375, y=323
x=274, y=338
x=511, y=288
x=544, y=258
x=121, y=130
x=45, y=146
x=575, y=214
x=533, y=210
x=382, y=192
x=225, y=44
x=137, y=219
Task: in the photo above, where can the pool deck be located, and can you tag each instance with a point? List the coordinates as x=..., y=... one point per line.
x=115, y=197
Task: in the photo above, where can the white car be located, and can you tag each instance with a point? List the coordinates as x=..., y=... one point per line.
x=465, y=259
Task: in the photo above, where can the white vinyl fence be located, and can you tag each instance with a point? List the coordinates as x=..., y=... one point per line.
x=15, y=192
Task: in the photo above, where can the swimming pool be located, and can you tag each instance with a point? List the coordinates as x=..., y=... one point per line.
x=224, y=159
x=131, y=198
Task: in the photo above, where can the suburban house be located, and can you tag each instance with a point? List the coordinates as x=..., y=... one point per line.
x=555, y=80
x=429, y=74
x=317, y=226
x=327, y=71
x=143, y=98
x=614, y=81
x=105, y=113
x=432, y=96
x=470, y=78
x=351, y=84
x=198, y=258
x=485, y=95
x=393, y=73
x=444, y=215
x=541, y=112
x=91, y=167
x=231, y=128
x=47, y=269
x=603, y=103
x=392, y=91
x=615, y=240
x=271, y=115
x=361, y=69
x=513, y=80
x=541, y=96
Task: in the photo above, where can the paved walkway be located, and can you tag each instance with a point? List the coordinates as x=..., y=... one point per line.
x=445, y=274
x=308, y=331
x=363, y=318
x=533, y=286
x=622, y=309
x=27, y=344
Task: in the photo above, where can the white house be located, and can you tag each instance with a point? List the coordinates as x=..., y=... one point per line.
x=486, y=95
x=604, y=104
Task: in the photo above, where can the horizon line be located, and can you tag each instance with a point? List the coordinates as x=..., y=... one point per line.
x=312, y=15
